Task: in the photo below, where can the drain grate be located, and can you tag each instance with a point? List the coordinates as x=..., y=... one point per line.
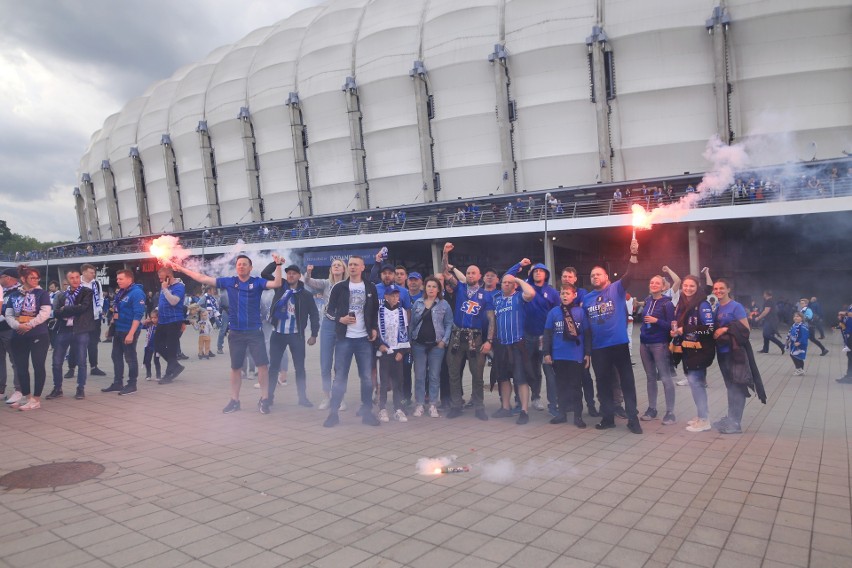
x=51, y=475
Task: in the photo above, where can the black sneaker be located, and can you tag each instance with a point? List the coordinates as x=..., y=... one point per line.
x=332, y=420
x=523, y=418
x=182, y=357
x=129, y=389
x=220, y=352
x=370, y=419
x=502, y=413
x=619, y=411
x=844, y=380
x=167, y=380
x=55, y=393
x=69, y=374
x=178, y=370
x=824, y=353
x=263, y=406
x=561, y=419
x=593, y=412
x=578, y=421
x=480, y=413
x=210, y=355
x=605, y=424
x=114, y=387
x=454, y=413
x=469, y=404
x=306, y=403
x=650, y=414
x=634, y=426
x=81, y=393
x=95, y=372
x=233, y=406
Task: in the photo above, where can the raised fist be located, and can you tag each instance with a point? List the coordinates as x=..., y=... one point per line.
x=448, y=247
x=525, y=262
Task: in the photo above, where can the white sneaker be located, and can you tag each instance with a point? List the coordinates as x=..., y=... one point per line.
x=16, y=396
x=400, y=416
x=343, y=405
x=256, y=385
x=32, y=404
x=699, y=426
x=538, y=404
x=845, y=349
x=324, y=404
x=682, y=382
x=799, y=372
x=418, y=411
x=433, y=411
x=383, y=416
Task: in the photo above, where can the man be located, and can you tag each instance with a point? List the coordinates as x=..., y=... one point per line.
x=816, y=307
x=11, y=283
x=75, y=320
x=354, y=306
x=291, y=307
x=490, y=281
x=845, y=324
x=768, y=318
x=170, y=326
x=808, y=314
x=546, y=298
x=244, y=320
x=383, y=275
x=511, y=358
x=400, y=275
x=569, y=276
x=128, y=311
x=606, y=310
x=415, y=286
x=473, y=313
x=87, y=271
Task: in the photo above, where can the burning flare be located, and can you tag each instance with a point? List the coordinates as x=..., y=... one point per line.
x=641, y=218
x=434, y=466
x=167, y=247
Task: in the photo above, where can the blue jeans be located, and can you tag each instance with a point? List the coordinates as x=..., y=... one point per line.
x=78, y=343
x=427, y=362
x=122, y=353
x=698, y=384
x=657, y=363
x=736, y=393
x=223, y=330
x=362, y=350
x=327, y=339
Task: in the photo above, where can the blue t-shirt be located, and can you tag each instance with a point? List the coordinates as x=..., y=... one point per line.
x=470, y=311
x=569, y=350
x=243, y=301
x=732, y=311
x=510, y=313
x=169, y=313
x=606, y=311
x=404, y=297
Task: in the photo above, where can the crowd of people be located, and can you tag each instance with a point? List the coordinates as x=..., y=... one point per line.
x=413, y=336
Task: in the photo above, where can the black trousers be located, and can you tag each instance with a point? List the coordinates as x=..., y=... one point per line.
x=122, y=353
x=167, y=344
x=35, y=347
x=569, y=387
x=612, y=364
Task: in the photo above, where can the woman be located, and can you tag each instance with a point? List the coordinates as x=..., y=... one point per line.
x=694, y=344
x=728, y=315
x=431, y=325
x=27, y=315
x=657, y=317
x=328, y=338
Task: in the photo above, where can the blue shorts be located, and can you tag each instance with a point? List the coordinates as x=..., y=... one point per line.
x=240, y=342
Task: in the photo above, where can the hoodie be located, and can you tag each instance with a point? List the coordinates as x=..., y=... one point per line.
x=663, y=309
x=546, y=298
x=129, y=306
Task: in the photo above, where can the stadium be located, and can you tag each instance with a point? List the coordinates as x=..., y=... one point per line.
x=320, y=130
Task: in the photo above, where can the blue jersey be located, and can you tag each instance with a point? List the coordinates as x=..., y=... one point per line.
x=800, y=334
x=284, y=313
x=732, y=311
x=471, y=308
x=169, y=313
x=243, y=301
x=606, y=311
x=404, y=297
x=510, y=314
x=567, y=349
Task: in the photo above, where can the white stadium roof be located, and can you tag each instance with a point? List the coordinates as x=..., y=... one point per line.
x=227, y=131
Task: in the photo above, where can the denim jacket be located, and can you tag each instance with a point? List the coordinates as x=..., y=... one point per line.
x=442, y=319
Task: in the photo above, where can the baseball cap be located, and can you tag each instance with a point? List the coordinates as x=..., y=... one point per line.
x=293, y=268
x=392, y=289
x=388, y=267
x=11, y=273
x=415, y=275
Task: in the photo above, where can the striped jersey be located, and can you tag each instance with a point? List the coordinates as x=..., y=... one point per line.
x=509, y=311
x=244, y=301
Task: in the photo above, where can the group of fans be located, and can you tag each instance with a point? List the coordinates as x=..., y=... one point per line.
x=395, y=325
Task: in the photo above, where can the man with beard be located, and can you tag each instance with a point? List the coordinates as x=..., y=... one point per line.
x=75, y=320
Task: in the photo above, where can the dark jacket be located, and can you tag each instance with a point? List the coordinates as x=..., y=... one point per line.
x=744, y=369
x=696, y=347
x=306, y=308
x=81, y=311
x=338, y=306
x=546, y=298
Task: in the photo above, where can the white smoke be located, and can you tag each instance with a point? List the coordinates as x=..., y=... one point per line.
x=428, y=466
x=504, y=471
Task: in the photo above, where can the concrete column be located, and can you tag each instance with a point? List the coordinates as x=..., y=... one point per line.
x=93, y=232
x=356, y=142
x=208, y=166
x=694, y=261
x=601, y=112
x=437, y=254
x=80, y=209
x=172, y=183
x=499, y=61
x=140, y=191
x=300, y=156
x=252, y=167
x=550, y=259
x=111, y=200
x=424, y=129
x=717, y=26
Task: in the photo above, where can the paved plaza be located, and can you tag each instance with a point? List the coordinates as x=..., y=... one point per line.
x=185, y=485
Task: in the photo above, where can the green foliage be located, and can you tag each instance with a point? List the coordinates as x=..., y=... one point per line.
x=13, y=242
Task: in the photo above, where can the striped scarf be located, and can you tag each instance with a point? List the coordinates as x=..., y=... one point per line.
x=402, y=329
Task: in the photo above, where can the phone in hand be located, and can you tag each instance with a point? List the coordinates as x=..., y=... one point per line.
x=351, y=314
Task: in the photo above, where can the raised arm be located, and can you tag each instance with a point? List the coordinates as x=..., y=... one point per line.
x=527, y=291
x=634, y=260
x=451, y=273
x=197, y=276
x=675, y=278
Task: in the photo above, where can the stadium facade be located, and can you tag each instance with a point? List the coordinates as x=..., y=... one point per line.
x=358, y=104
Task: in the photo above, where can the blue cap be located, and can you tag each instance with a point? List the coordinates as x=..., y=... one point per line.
x=415, y=275
x=387, y=267
x=392, y=289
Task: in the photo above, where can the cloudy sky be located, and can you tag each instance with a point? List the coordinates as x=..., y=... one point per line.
x=65, y=65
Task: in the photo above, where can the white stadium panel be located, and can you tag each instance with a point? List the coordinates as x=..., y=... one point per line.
x=334, y=199
x=230, y=161
x=333, y=159
x=277, y=166
x=623, y=18
x=456, y=32
x=329, y=151
x=122, y=172
x=156, y=187
x=393, y=167
x=388, y=41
